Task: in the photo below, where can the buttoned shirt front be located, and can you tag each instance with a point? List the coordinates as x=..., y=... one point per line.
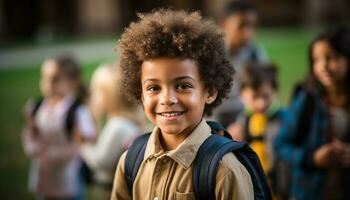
x=168, y=175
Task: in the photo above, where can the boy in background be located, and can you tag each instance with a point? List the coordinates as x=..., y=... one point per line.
x=239, y=23
x=260, y=120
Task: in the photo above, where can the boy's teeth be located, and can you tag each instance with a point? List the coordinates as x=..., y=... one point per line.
x=171, y=114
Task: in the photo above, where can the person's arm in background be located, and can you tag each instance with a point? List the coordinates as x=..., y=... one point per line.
x=31, y=143
x=30, y=134
x=85, y=128
x=112, y=142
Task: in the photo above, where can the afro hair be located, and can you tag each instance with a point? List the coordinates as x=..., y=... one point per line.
x=175, y=34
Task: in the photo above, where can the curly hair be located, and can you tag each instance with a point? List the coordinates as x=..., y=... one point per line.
x=175, y=34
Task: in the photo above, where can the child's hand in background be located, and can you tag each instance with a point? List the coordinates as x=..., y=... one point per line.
x=325, y=156
x=29, y=119
x=342, y=149
x=80, y=139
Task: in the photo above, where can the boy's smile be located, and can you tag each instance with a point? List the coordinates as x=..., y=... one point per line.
x=173, y=96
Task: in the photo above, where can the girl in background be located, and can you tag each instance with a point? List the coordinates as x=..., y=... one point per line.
x=119, y=131
x=56, y=123
x=315, y=136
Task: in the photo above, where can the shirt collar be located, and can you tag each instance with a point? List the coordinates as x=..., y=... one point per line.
x=186, y=152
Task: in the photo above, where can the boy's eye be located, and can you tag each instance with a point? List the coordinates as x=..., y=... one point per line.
x=184, y=86
x=153, y=88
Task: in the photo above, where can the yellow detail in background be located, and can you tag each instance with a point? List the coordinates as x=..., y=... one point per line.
x=257, y=127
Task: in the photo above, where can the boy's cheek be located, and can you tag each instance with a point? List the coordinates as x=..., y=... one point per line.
x=146, y=103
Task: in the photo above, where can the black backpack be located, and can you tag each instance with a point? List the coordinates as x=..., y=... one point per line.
x=70, y=117
x=205, y=163
x=84, y=171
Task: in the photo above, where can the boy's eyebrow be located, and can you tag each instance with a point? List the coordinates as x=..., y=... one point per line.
x=176, y=79
x=183, y=77
x=150, y=80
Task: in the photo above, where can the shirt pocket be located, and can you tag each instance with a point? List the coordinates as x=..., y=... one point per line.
x=184, y=196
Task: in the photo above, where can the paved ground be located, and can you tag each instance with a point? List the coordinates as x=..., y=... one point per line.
x=32, y=56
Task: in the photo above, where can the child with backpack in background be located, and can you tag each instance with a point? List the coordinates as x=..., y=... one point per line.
x=260, y=120
x=174, y=63
x=315, y=134
x=56, y=123
x=122, y=126
x=239, y=21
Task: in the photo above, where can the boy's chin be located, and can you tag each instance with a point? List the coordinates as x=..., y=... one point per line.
x=170, y=130
x=174, y=130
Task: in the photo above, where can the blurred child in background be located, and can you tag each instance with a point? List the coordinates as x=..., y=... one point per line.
x=56, y=123
x=315, y=136
x=260, y=120
x=119, y=131
x=239, y=23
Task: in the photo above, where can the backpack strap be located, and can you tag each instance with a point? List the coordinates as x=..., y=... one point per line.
x=206, y=166
x=304, y=123
x=216, y=127
x=36, y=106
x=71, y=117
x=251, y=162
x=134, y=158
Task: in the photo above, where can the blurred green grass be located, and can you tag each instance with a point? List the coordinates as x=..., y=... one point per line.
x=286, y=47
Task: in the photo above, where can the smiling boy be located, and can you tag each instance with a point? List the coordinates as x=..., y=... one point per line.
x=175, y=64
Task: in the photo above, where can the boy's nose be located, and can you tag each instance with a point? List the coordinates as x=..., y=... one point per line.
x=168, y=98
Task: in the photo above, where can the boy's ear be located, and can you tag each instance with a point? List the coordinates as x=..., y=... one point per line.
x=142, y=99
x=141, y=102
x=212, y=94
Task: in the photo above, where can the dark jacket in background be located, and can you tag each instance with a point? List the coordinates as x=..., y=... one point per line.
x=298, y=147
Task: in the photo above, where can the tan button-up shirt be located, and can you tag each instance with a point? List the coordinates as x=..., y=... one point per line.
x=168, y=175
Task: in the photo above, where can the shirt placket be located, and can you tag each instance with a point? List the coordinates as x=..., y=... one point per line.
x=159, y=178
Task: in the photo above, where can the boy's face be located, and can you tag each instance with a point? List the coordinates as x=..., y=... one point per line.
x=240, y=29
x=259, y=100
x=173, y=95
